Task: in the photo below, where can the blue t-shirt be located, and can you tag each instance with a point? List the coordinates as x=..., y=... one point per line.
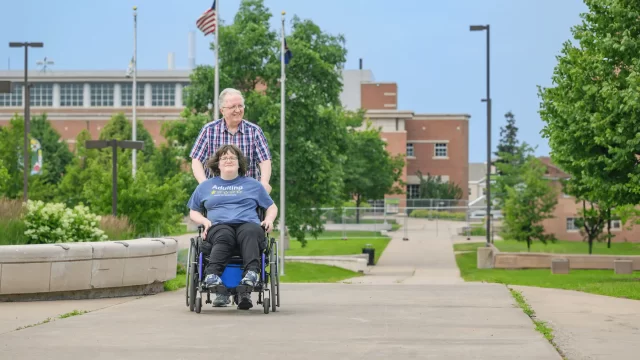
x=230, y=201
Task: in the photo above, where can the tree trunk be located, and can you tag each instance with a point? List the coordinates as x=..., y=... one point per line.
x=590, y=245
x=528, y=245
x=609, y=228
x=358, y=209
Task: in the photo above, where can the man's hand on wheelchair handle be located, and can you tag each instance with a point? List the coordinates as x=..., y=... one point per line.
x=267, y=225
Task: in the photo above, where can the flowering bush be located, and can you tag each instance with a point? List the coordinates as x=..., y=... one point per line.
x=49, y=223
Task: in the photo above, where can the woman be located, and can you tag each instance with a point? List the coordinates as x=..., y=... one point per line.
x=231, y=200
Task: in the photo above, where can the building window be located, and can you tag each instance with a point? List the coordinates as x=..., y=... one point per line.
x=441, y=150
x=126, y=90
x=410, y=149
x=163, y=94
x=101, y=94
x=14, y=98
x=571, y=224
x=413, y=191
x=616, y=225
x=71, y=94
x=41, y=94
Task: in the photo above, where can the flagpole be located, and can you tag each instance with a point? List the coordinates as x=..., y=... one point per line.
x=216, y=82
x=134, y=91
x=282, y=150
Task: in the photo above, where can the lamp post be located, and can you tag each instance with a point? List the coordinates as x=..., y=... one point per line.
x=114, y=145
x=488, y=101
x=27, y=99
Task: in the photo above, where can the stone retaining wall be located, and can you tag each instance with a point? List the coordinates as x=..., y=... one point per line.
x=97, y=269
x=493, y=258
x=356, y=262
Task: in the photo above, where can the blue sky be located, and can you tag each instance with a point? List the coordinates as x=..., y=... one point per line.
x=424, y=46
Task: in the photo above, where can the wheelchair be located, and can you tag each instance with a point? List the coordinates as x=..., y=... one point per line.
x=267, y=287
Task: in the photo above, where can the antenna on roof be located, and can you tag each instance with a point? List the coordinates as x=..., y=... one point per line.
x=43, y=63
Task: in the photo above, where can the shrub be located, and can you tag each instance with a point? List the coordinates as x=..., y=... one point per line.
x=49, y=223
x=117, y=228
x=11, y=225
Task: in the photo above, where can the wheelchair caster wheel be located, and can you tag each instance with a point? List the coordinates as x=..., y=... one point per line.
x=198, y=305
x=266, y=303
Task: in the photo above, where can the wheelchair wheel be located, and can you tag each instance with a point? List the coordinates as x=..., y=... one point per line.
x=193, y=281
x=265, y=303
x=274, y=278
x=198, y=305
x=188, y=275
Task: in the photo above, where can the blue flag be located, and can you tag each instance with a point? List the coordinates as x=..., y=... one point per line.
x=287, y=53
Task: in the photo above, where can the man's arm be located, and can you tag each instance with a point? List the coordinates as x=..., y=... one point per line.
x=198, y=170
x=199, y=154
x=265, y=174
x=264, y=158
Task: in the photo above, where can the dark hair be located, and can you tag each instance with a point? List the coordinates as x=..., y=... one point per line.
x=214, y=162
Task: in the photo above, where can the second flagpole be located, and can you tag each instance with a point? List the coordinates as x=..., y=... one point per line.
x=216, y=81
x=283, y=227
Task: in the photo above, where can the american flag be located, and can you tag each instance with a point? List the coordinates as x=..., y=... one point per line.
x=207, y=21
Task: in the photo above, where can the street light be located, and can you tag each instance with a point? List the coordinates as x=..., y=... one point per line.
x=27, y=100
x=488, y=101
x=114, y=145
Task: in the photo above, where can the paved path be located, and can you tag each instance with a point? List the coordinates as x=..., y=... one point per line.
x=588, y=326
x=413, y=305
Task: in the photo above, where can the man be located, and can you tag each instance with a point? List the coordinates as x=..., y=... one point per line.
x=232, y=129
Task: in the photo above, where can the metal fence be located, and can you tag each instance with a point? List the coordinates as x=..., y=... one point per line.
x=376, y=221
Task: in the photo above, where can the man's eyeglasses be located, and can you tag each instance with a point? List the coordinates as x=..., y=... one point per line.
x=228, y=158
x=236, y=107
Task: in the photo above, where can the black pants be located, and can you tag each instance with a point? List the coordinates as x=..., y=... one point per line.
x=227, y=239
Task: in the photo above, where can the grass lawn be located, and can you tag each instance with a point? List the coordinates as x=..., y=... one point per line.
x=337, y=247
x=294, y=273
x=601, y=282
x=335, y=234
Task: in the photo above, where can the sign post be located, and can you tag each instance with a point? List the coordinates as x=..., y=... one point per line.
x=114, y=144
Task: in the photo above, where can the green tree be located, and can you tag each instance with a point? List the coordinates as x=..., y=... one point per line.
x=11, y=149
x=120, y=128
x=69, y=190
x=56, y=153
x=370, y=171
x=510, y=171
x=528, y=204
x=508, y=140
x=4, y=177
x=432, y=187
x=316, y=126
x=592, y=113
x=182, y=133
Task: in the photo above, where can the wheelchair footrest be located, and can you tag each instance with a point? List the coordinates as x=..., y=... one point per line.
x=218, y=289
x=244, y=289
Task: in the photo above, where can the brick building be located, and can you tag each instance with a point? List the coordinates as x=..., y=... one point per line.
x=563, y=226
x=437, y=144
x=76, y=100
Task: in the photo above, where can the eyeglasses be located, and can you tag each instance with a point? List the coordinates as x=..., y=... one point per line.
x=228, y=158
x=236, y=107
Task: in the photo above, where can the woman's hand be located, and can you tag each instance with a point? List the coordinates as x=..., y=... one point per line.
x=207, y=225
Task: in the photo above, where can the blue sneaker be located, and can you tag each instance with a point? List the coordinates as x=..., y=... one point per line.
x=251, y=278
x=212, y=280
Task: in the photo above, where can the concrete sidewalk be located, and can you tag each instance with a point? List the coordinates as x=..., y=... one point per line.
x=425, y=258
x=588, y=326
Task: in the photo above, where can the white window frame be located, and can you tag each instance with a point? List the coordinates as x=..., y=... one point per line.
x=439, y=146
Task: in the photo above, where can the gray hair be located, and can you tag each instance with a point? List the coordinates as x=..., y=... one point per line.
x=228, y=91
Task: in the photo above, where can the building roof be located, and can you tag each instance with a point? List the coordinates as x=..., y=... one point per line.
x=477, y=171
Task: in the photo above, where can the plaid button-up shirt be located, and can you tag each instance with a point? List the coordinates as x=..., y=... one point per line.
x=249, y=138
